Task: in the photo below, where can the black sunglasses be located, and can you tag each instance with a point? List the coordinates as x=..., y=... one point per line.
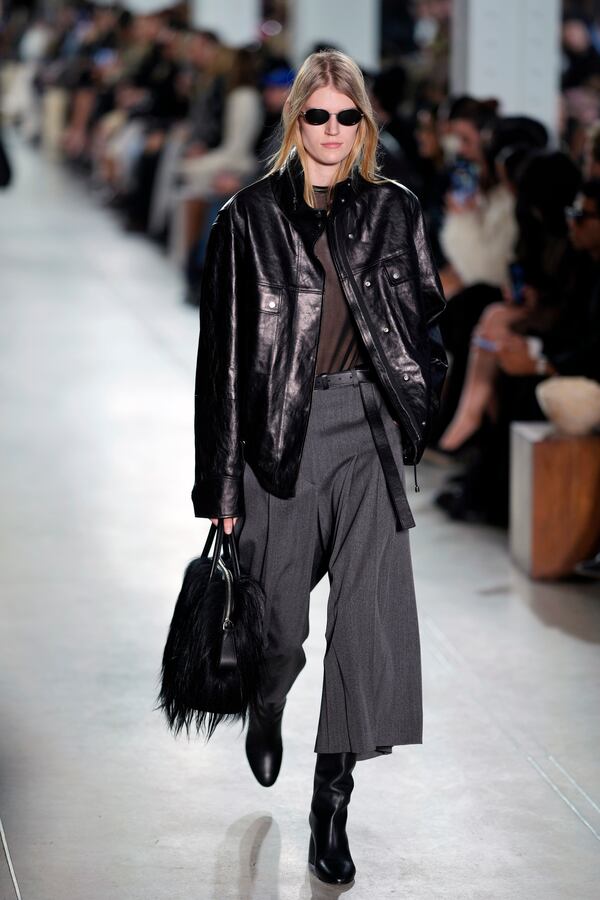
x=320, y=116
x=579, y=215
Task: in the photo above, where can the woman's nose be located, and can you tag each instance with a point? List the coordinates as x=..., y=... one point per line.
x=332, y=126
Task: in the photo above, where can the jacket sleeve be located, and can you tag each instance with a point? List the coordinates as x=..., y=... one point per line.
x=434, y=302
x=218, y=487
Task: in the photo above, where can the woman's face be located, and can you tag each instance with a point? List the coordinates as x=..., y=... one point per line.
x=328, y=144
x=469, y=139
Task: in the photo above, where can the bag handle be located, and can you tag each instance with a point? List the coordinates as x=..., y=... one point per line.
x=211, y=533
x=232, y=550
x=226, y=543
x=217, y=549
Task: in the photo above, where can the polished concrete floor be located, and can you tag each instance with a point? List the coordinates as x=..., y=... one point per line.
x=98, y=801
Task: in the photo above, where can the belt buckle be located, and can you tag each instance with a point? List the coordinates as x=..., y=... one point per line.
x=323, y=381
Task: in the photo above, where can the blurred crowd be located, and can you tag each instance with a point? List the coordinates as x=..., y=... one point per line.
x=166, y=122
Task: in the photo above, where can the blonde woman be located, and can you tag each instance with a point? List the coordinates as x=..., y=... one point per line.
x=319, y=371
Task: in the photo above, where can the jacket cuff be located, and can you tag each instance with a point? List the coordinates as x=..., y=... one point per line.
x=218, y=497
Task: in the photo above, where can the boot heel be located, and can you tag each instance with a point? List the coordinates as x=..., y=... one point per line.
x=329, y=856
x=311, y=852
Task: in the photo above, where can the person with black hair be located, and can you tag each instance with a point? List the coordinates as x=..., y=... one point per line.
x=506, y=149
x=479, y=229
x=399, y=152
x=199, y=176
x=201, y=131
x=573, y=348
x=276, y=80
x=581, y=60
x=556, y=333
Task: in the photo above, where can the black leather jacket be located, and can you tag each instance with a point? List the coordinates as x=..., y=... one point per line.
x=260, y=316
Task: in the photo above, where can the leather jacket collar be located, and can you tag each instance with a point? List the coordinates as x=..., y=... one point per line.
x=288, y=187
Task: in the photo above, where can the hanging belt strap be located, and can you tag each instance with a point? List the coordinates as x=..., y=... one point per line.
x=388, y=463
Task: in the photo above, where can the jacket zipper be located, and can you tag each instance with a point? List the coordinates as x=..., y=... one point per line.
x=369, y=336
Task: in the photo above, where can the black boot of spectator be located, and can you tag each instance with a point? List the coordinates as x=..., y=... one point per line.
x=589, y=568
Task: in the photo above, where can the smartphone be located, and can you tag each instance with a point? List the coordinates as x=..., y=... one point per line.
x=517, y=280
x=464, y=180
x=104, y=57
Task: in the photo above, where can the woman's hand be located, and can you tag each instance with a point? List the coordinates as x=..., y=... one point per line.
x=229, y=522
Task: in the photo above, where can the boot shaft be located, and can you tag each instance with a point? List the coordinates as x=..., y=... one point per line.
x=333, y=782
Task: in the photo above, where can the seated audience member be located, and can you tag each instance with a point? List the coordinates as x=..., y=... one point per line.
x=234, y=156
x=541, y=280
x=562, y=336
x=170, y=104
x=581, y=60
x=507, y=147
x=435, y=178
x=89, y=75
x=145, y=95
x=399, y=154
x=479, y=228
x=200, y=132
x=573, y=347
x=275, y=82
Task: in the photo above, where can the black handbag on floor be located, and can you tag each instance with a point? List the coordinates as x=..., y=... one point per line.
x=213, y=656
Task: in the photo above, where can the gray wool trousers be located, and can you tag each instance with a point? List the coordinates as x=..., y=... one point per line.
x=341, y=523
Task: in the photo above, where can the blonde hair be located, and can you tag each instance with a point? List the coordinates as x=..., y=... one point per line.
x=329, y=68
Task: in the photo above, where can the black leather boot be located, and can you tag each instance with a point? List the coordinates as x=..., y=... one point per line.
x=328, y=853
x=264, y=747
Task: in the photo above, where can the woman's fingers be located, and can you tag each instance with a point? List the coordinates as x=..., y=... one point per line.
x=228, y=523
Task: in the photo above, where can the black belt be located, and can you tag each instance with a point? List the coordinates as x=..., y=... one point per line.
x=388, y=464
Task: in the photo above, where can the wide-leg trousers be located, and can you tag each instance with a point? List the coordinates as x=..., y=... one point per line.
x=341, y=523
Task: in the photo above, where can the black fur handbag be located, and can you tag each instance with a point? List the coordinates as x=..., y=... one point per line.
x=213, y=657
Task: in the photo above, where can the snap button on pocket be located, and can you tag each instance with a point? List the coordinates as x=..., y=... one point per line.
x=385, y=329
x=398, y=270
x=406, y=377
x=269, y=300
x=367, y=284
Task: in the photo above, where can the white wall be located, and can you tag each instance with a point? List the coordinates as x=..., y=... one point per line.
x=509, y=50
x=350, y=25
x=235, y=21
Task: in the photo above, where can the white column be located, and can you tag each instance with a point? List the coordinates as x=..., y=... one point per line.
x=235, y=21
x=510, y=51
x=350, y=25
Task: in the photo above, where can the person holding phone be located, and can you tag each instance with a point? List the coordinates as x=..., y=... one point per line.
x=479, y=228
x=319, y=371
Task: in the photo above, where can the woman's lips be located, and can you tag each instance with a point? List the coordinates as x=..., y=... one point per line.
x=332, y=144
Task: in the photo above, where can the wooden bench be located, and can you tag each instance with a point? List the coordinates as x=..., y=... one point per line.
x=554, y=499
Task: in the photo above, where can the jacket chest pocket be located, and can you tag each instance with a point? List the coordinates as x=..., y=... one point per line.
x=398, y=270
x=401, y=287
x=267, y=329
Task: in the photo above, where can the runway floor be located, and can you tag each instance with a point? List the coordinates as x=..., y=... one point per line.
x=97, y=800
